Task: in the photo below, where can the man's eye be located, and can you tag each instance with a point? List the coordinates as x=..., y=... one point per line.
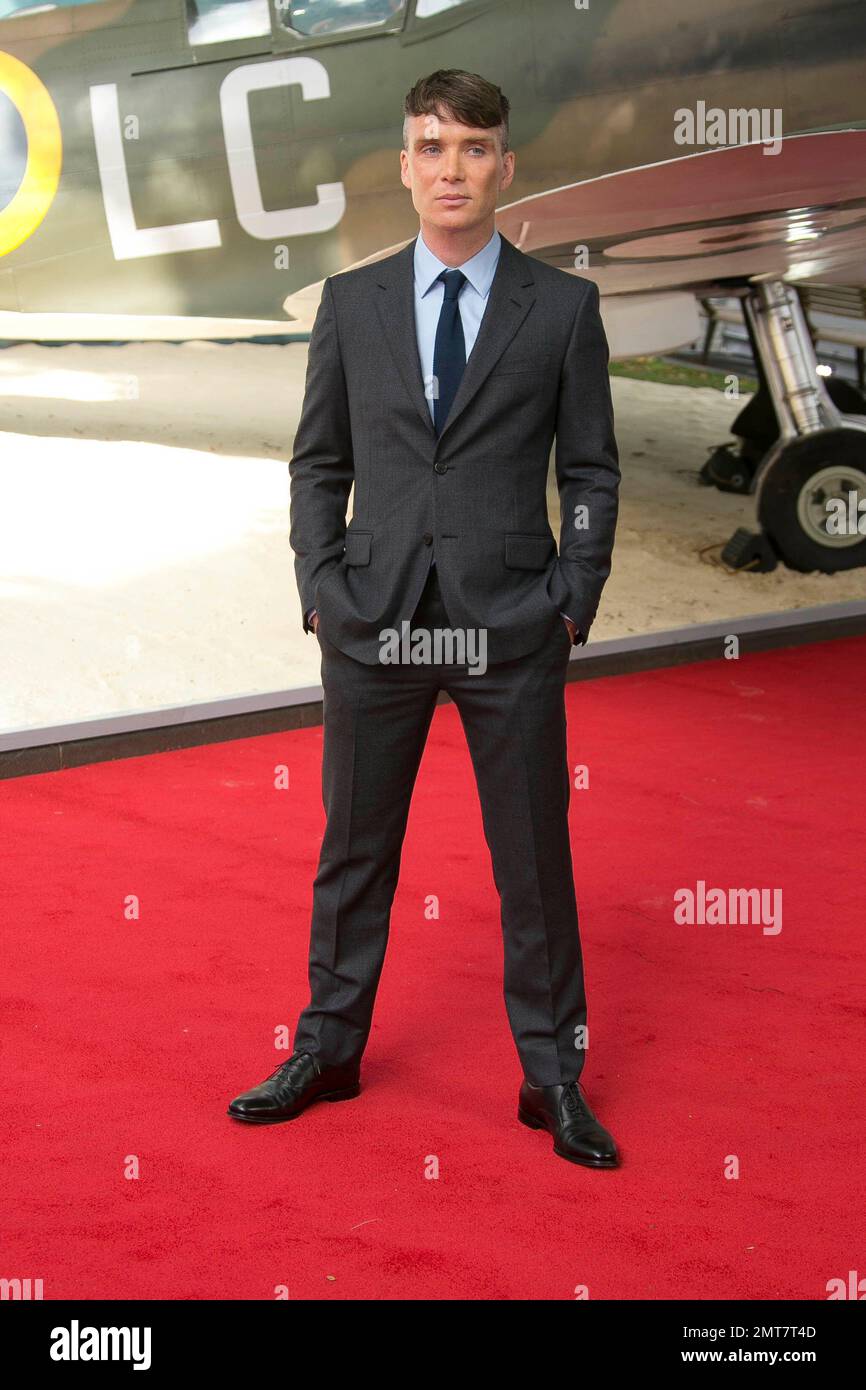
x=434, y=149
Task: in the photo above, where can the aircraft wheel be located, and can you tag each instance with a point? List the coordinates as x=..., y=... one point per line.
x=793, y=495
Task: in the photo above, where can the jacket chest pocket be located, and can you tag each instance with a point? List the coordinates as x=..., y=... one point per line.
x=513, y=363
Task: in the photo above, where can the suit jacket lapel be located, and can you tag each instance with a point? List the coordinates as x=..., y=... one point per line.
x=396, y=310
x=510, y=298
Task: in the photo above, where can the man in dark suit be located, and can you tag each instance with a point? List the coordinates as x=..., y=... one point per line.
x=436, y=382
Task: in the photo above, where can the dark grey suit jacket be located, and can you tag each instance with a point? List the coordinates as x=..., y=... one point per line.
x=475, y=498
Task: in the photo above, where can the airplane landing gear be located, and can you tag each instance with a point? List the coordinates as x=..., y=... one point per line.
x=811, y=482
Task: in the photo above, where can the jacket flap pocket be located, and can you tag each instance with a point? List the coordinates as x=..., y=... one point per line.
x=529, y=552
x=358, y=547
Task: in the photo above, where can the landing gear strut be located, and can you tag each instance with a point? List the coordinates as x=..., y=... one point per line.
x=810, y=484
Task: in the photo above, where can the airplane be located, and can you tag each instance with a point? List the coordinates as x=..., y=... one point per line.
x=171, y=161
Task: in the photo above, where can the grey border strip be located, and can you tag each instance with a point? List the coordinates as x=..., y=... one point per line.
x=54, y=747
x=168, y=716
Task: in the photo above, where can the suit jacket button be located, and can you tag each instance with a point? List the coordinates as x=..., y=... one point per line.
x=440, y=468
x=427, y=538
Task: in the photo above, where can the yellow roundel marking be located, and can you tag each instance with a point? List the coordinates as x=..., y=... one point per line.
x=22, y=215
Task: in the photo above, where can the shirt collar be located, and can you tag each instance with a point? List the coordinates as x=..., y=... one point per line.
x=479, y=269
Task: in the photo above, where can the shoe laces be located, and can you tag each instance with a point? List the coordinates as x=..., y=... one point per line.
x=573, y=1100
x=284, y=1069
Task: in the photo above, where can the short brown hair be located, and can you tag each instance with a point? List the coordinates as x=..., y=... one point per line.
x=463, y=96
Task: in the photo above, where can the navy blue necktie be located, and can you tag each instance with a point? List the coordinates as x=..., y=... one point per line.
x=449, y=352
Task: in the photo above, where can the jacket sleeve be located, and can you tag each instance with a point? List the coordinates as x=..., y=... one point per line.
x=587, y=468
x=322, y=467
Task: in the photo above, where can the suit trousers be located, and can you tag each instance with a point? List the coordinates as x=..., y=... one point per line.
x=376, y=720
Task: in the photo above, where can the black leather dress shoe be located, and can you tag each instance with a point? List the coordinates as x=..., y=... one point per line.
x=577, y=1134
x=293, y=1086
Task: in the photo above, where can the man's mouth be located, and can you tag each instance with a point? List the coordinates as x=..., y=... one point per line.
x=453, y=198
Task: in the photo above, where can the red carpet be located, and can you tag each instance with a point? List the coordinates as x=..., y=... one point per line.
x=123, y=1040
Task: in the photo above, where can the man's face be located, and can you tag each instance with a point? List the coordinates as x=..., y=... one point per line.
x=455, y=172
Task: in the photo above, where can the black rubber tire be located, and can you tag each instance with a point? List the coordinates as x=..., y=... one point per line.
x=780, y=489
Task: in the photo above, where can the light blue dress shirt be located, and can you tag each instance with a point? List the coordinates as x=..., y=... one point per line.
x=430, y=292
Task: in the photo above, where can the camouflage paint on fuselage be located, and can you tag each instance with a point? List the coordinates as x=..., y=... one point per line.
x=186, y=177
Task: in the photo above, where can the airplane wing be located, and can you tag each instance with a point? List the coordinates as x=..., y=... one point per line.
x=709, y=216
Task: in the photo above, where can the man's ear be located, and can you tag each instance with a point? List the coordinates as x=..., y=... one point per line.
x=508, y=173
x=404, y=170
